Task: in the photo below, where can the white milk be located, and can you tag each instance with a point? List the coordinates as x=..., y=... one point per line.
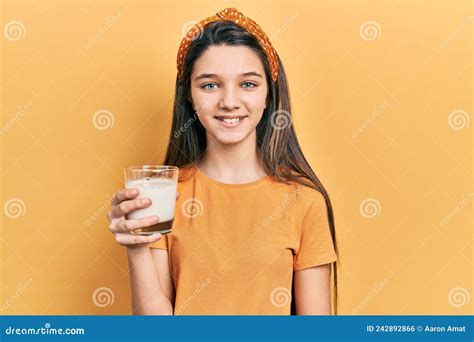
x=161, y=191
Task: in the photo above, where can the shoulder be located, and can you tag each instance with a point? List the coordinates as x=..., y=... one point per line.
x=312, y=200
x=305, y=192
x=305, y=195
x=311, y=194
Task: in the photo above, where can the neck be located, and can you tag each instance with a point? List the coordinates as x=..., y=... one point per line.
x=234, y=164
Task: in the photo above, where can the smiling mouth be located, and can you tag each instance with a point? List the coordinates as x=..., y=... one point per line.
x=230, y=121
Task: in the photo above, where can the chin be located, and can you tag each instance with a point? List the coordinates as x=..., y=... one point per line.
x=230, y=139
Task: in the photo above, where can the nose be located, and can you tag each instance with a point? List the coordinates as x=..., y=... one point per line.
x=229, y=100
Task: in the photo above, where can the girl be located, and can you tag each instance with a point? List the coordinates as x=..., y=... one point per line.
x=254, y=228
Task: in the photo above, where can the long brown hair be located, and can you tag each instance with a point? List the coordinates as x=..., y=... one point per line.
x=280, y=151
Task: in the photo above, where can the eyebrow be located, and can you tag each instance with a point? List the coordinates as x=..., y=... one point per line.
x=250, y=73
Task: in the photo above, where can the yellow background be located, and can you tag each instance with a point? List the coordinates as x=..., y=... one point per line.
x=371, y=108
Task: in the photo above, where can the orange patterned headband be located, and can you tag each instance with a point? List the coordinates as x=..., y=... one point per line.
x=229, y=14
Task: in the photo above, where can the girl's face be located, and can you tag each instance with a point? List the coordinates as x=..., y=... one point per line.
x=228, y=92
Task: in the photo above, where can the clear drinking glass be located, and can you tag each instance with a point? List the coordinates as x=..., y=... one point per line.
x=158, y=183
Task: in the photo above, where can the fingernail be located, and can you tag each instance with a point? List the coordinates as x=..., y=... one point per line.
x=154, y=219
x=134, y=192
x=146, y=201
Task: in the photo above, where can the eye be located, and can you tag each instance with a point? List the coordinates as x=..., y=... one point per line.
x=205, y=86
x=253, y=85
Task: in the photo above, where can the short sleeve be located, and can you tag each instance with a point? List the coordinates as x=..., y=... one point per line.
x=161, y=243
x=316, y=245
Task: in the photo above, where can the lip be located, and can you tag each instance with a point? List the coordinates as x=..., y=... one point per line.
x=231, y=125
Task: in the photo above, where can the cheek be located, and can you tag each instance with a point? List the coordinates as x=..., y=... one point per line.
x=205, y=106
x=256, y=105
x=258, y=97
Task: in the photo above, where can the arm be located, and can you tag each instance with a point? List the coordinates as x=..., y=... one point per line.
x=152, y=291
x=312, y=290
x=149, y=296
x=160, y=257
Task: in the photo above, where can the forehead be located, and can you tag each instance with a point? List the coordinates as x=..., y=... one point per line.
x=228, y=61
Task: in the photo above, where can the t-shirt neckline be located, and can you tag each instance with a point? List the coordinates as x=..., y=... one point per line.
x=208, y=180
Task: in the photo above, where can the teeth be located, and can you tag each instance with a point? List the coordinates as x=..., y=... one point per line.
x=230, y=121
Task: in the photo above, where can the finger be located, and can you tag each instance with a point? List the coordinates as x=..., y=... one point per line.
x=126, y=239
x=123, y=208
x=125, y=226
x=124, y=194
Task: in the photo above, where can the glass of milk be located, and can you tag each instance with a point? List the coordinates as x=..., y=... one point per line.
x=158, y=183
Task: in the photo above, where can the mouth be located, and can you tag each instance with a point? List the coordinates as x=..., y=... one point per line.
x=230, y=121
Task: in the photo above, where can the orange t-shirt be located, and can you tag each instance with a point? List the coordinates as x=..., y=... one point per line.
x=234, y=247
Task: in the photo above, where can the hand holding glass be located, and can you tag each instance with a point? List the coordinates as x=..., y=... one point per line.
x=158, y=183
